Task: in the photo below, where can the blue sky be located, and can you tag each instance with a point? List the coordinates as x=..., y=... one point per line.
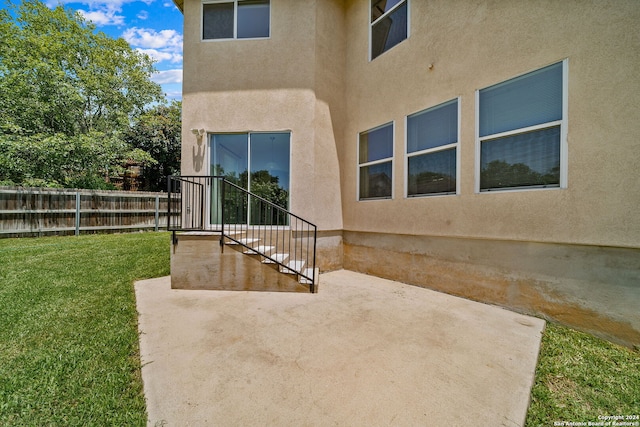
x=150, y=26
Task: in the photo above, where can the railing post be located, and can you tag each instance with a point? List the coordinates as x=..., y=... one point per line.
x=77, y=213
x=203, y=208
x=168, y=203
x=313, y=277
x=222, y=190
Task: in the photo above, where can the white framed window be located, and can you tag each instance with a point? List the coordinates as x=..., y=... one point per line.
x=236, y=19
x=432, y=150
x=521, y=130
x=375, y=163
x=388, y=25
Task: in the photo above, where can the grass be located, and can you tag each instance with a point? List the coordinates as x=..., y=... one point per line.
x=68, y=328
x=69, y=343
x=581, y=379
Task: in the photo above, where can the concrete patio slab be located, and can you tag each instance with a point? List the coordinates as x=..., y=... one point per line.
x=364, y=351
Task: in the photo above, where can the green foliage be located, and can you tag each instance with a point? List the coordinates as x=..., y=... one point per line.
x=68, y=95
x=60, y=75
x=158, y=132
x=82, y=161
x=580, y=377
x=68, y=336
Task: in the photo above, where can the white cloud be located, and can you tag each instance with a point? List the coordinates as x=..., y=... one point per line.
x=101, y=12
x=103, y=17
x=160, y=56
x=143, y=15
x=167, y=77
x=148, y=38
x=97, y=4
x=164, y=45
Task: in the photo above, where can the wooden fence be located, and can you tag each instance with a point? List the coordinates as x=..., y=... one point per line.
x=44, y=211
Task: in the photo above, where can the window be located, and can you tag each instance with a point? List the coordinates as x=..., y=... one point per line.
x=239, y=19
x=375, y=154
x=521, y=131
x=432, y=139
x=256, y=161
x=389, y=25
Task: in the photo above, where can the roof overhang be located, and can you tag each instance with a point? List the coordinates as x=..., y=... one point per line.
x=180, y=4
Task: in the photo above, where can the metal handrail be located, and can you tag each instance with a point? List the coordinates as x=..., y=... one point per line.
x=244, y=218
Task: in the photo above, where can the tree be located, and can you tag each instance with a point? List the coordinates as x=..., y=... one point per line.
x=158, y=132
x=83, y=161
x=68, y=95
x=60, y=75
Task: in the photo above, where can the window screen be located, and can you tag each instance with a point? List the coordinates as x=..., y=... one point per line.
x=520, y=131
x=529, y=100
x=375, y=162
x=253, y=19
x=432, y=137
x=236, y=19
x=217, y=21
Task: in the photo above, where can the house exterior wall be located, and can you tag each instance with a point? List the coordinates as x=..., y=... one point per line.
x=288, y=82
x=472, y=45
x=569, y=254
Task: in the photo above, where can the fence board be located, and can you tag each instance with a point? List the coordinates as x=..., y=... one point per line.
x=44, y=211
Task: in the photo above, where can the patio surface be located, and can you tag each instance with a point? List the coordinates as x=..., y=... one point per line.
x=364, y=351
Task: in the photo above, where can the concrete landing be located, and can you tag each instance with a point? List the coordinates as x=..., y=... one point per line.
x=364, y=351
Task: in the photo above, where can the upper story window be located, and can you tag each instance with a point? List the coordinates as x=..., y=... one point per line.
x=239, y=19
x=389, y=24
x=432, y=141
x=522, y=131
x=375, y=163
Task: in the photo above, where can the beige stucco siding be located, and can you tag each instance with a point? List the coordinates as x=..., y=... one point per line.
x=570, y=254
x=472, y=45
x=283, y=83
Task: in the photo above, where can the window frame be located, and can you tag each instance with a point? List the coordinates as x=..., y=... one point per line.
x=380, y=18
x=376, y=162
x=445, y=147
x=209, y=153
x=235, y=21
x=562, y=123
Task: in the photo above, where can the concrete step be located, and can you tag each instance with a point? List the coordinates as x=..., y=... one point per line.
x=309, y=272
x=243, y=241
x=259, y=250
x=292, y=267
x=278, y=257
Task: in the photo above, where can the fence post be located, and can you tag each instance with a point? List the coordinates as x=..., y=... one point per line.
x=77, y=213
x=157, y=212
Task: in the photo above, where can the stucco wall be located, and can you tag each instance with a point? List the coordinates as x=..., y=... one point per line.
x=472, y=45
x=570, y=254
x=290, y=81
x=591, y=288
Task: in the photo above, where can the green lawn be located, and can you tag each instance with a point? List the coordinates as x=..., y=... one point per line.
x=582, y=379
x=69, y=343
x=68, y=333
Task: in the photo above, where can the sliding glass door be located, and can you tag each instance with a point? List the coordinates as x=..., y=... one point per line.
x=256, y=161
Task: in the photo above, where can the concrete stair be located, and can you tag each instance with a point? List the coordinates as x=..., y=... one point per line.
x=281, y=260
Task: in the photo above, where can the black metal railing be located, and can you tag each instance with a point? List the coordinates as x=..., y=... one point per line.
x=261, y=227
x=187, y=202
